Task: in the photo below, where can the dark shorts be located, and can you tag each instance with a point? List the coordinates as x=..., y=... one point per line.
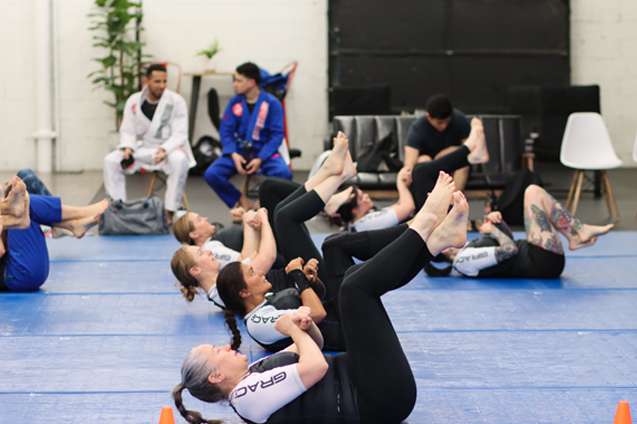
x=531, y=261
x=536, y=262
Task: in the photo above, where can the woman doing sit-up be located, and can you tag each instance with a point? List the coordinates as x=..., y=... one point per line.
x=372, y=382
x=541, y=255
x=197, y=265
x=24, y=258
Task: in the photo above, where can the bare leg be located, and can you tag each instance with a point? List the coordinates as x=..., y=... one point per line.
x=326, y=188
x=79, y=219
x=539, y=230
x=70, y=213
x=333, y=165
x=579, y=235
x=477, y=143
x=437, y=204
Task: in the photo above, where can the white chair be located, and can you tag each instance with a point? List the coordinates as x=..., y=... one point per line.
x=586, y=146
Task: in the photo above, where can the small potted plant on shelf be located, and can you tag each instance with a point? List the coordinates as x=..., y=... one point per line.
x=209, y=53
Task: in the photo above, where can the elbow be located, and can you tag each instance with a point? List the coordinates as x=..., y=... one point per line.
x=323, y=367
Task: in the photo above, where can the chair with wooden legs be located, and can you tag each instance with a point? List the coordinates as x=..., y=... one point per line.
x=158, y=175
x=586, y=146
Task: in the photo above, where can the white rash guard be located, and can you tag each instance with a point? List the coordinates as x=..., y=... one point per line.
x=259, y=395
x=260, y=323
x=223, y=254
x=376, y=220
x=471, y=260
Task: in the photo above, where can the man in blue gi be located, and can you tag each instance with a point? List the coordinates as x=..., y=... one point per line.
x=251, y=134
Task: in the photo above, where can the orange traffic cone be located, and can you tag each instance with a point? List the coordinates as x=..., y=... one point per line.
x=166, y=416
x=622, y=416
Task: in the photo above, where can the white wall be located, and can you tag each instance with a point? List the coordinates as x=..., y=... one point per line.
x=604, y=52
x=16, y=85
x=271, y=33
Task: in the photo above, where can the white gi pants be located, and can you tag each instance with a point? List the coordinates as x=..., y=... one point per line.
x=175, y=166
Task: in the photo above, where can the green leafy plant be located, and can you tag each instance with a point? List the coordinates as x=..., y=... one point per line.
x=211, y=51
x=116, y=25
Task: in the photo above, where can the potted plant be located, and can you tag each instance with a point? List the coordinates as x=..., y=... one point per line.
x=209, y=53
x=116, y=25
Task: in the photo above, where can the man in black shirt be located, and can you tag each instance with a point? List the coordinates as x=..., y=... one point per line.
x=442, y=130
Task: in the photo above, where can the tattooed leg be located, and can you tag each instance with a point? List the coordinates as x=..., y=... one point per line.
x=579, y=235
x=539, y=230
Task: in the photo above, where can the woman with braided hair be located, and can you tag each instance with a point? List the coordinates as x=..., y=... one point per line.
x=372, y=382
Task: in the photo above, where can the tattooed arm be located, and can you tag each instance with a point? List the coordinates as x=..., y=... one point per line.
x=507, y=247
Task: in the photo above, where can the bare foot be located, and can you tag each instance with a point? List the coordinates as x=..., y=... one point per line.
x=246, y=203
x=13, y=204
x=452, y=231
x=477, y=143
x=79, y=227
x=15, y=207
x=98, y=208
x=587, y=235
x=349, y=167
x=335, y=162
x=423, y=223
x=439, y=199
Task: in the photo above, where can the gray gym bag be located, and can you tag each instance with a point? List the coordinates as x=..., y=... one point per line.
x=144, y=216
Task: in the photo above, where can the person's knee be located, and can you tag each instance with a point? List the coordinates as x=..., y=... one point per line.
x=179, y=161
x=213, y=175
x=332, y=243
x=113, y=159
x=281, y=171
x=533, y=191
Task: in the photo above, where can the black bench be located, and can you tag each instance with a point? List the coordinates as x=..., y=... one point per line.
x=388, y=133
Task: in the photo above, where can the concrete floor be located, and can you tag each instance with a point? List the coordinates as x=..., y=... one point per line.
x=84, y=187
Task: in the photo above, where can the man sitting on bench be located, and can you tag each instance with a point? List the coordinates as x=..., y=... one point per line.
x=441, y=131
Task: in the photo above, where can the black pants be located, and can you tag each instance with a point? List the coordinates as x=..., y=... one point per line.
x=294, y=240
x=377, y=364
x=425, y=174
x=272, y=191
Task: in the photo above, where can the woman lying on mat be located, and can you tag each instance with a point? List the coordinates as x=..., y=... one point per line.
x=541, y=255
x=196, y=265
x=354, y=208
x=372, y=382
x=24, y=258
x=260, y=301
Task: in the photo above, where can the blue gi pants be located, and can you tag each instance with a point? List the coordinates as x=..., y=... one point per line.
x=219, y=172
x=27, y=257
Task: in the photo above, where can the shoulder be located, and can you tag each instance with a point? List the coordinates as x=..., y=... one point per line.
x=270, y=98
x=133, y=100
x=461, y=120
x=237, y=98
x=420, y=124
x=176, y=97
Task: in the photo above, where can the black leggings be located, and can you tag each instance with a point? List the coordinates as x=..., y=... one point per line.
x=425, y=174
x=376, y=362
x=272, y=191
x=294, y=240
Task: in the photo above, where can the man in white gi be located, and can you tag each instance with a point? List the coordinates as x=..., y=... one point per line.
x=153, y=136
